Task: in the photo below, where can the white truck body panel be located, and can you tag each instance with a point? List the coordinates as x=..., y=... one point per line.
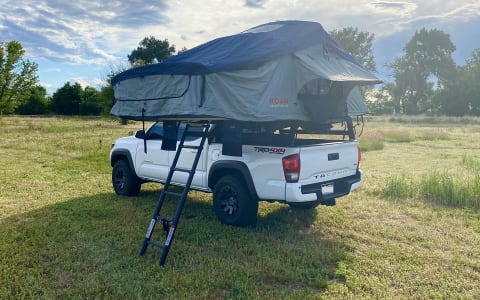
x=316, y=166
x=327, y=162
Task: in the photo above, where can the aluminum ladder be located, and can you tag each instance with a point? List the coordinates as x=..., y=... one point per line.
x=171, y=224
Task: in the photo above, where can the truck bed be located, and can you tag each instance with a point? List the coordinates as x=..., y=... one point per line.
x=279, y=140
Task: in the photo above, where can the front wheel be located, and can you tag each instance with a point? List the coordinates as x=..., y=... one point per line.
x=232, y=203
x=125, y=182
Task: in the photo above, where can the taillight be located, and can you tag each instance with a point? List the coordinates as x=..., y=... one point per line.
x=291, y=167
x=359, y=157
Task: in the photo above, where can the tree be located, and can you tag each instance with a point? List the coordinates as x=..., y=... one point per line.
x=36, y=102
x=381, y=101
x=358, y=44
x=151, y=50
x=182, y=50
x=461, y=96
x=17, y=76
x=470, y=76
x=89, y=104
x=427, y=55
x=106, y=99
x=66, y=100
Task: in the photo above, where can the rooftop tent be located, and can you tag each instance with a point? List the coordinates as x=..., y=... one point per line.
x=287, y=70
x=356, y=103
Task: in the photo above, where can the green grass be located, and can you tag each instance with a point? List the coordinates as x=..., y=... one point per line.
x=446, y=189
x=398, y=136
x=437, y=188
x=65, y=235
x=375, y=140
x=399, y=187
x=440, y=187
x=371, y=142
x=471, y=163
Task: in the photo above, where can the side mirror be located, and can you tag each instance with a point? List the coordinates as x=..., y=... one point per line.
x=140, y=134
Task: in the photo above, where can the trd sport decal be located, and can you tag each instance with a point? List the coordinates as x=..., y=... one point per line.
x=270, y=150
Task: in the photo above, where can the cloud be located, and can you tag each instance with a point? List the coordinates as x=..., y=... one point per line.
x=398, y=16
x=255, y=3
x=394, y=8
x=77, y=32
x=82, y=36
x=99, y=32
x=97, y=82
x=51, y=70
x=46, y=85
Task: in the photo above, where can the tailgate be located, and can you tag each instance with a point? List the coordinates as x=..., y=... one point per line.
x=327, y=162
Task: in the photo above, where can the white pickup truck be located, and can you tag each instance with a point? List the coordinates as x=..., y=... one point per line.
x=276, y=165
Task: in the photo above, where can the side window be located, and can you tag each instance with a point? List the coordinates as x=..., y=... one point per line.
x=155, y=132
x=189, y=138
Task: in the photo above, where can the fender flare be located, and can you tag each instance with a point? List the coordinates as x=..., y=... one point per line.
x=119, y=154
x=227, y=167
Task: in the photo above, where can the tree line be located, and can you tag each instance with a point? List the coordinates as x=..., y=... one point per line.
x=426, y=78
x=20, y=92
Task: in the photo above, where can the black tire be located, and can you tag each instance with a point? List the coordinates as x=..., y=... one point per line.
x=124, y=181
x=232, y=202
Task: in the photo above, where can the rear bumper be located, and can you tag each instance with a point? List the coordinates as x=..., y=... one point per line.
x=295, y=192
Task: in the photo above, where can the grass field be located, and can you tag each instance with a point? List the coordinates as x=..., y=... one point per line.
x=412, y=231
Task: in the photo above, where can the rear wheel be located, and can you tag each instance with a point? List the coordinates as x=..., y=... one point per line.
x=124, y=181
x=232, y=202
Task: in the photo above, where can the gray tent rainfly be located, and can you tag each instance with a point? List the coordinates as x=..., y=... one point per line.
x=280, y=71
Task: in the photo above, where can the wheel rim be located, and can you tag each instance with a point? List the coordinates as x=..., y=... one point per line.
x=120, y=179
x=228, y=201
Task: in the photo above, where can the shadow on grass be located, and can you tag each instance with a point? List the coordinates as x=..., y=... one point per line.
x=88, y=248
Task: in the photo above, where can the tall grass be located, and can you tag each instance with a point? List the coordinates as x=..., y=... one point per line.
x=434, y=134
x=371, y=142
x=399, y=187
x=398, y=136
x=432, y=120
x=470, y=163
x=375, y=140
x=447, y=189
x=437, y=187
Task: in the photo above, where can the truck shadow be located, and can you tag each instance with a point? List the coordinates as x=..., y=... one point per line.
x=61, y=244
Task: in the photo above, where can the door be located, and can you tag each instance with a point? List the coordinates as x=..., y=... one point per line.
x=187, y=157
x=153, y=163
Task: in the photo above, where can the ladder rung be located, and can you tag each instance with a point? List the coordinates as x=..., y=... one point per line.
x=183, y=170
x=173, y=193
x=195, y=133
x=165, y=219
x=156, y=245
x=191, y=147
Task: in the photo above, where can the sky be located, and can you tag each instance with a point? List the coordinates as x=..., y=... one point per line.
x=83, y=40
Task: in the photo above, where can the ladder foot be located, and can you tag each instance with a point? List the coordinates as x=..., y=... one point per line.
x=166, y=225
